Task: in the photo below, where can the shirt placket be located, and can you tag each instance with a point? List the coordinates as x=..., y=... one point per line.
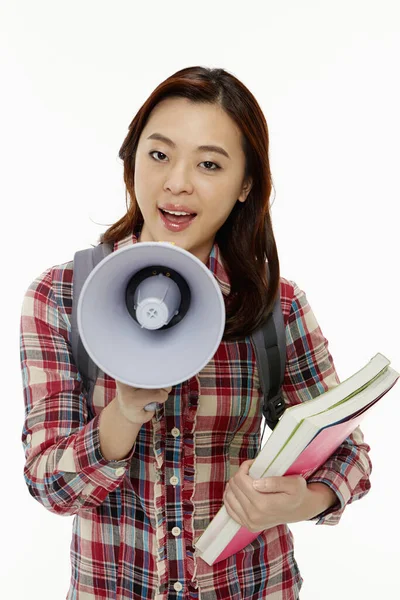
x=174, y=448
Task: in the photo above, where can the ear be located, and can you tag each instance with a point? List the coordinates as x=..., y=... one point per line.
x=246, y=190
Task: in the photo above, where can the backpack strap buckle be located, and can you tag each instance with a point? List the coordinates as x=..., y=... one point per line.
x=273, y=409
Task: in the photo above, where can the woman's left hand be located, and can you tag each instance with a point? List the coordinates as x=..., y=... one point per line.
x=281, y=499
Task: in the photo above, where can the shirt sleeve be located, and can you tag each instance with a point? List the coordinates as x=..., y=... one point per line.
x=64, y=469
x=310, y=371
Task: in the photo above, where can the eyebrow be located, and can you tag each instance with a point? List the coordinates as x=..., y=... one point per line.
x=207, y=148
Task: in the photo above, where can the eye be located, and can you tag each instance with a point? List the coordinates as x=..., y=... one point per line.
x=205, y=162
x=211, y=163
x=156, y=152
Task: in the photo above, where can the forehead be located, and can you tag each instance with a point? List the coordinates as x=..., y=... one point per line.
x=195, y=123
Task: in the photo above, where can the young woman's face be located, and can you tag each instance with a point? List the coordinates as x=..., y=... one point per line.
x=177, y=176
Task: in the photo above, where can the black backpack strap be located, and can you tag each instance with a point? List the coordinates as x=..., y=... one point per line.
x=270, y=349
x=84, y=262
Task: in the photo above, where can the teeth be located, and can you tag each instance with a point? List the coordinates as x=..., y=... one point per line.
x=171, y=212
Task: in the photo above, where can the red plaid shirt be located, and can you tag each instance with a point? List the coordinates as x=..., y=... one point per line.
x=135, y=520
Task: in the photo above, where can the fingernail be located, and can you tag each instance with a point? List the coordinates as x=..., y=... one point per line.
x=258, y=485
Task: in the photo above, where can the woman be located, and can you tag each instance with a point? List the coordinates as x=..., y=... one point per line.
x=143, y=486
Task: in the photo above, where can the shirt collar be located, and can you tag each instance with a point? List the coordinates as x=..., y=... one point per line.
x=214, y=263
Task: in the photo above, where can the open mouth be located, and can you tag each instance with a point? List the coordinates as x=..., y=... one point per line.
x=176, y=221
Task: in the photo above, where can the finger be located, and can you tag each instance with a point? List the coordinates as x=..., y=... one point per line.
x=245, y=465
x=233, y=508
x=124, y=387
x=161, y=398
x=160, y=395
x=244, y=495
x=276, y=485
x=242, y=477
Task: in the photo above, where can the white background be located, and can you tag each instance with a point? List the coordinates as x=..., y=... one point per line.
x=73, y=75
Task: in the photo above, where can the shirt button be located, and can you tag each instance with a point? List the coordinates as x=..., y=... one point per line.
x=28, y=438
x=178, y=586
x=120, y=471
x=174, y=480
x=175, y=432
x=176, y=531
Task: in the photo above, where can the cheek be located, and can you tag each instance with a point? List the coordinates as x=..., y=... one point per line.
x=220, y=210
x=222, y=197
x=147, y=187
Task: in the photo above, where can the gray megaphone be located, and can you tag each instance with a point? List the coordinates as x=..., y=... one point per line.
x=151, y=315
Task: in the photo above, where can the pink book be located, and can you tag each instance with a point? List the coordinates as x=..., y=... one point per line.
x=304, y=439
x=315, y=454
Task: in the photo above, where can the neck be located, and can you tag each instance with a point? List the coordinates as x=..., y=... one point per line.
x=201, y=252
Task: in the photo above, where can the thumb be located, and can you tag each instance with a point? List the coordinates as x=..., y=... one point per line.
x=275, y=484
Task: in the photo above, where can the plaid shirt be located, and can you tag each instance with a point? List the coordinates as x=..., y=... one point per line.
x=135, y=520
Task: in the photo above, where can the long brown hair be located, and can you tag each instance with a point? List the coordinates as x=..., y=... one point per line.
x=246, y=239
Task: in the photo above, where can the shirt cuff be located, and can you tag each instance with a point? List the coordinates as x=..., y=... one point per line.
x=338, y=484
x=92, y=464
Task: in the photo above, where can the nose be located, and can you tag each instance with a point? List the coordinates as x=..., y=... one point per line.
x=178, y=180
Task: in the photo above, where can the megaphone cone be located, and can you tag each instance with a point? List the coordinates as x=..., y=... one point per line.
x=151, y=315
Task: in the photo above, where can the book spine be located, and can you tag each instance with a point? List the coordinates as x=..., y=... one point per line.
x=237, y=543
x=220, y=521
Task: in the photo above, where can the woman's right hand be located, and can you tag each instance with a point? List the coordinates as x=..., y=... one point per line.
x=131, y=402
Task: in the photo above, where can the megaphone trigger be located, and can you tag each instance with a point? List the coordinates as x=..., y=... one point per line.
x=151, y=406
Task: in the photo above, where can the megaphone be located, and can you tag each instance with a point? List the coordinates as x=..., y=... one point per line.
x=151, y=315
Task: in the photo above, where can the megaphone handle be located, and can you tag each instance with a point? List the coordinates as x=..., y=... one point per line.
x=154, y=405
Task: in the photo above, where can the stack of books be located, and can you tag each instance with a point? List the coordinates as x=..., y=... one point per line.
x=304, y=438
